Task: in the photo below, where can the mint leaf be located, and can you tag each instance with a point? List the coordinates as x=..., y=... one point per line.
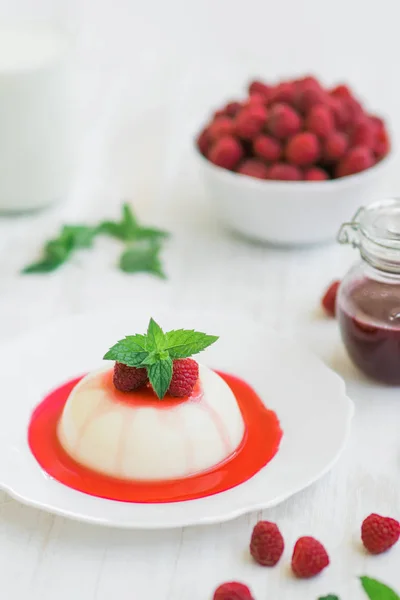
x=79, y=236
x=142, y=258
x=182, y=343
x=329, y=597
x=150, y=233
x=155, y=336
x=376, y=590
x=131, y=351
x=160, y=375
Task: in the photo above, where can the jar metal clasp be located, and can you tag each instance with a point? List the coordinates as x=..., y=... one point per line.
x=349, y=232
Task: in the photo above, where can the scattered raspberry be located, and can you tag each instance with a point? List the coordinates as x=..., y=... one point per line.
x=379, y=533
x=329, y=299
x=258, y=87
x=219, y=128
x=309, y=557
x=266, y=544
x=250, y=120
x=127, y=379
x=267, y=148
x=284, y=92
x=184, y=376
x=226, y=152
x=203, y=142
x=285, y=172
x=315, y=174
x=320, y=121
x=232, y=108
x=335, y=146
x=382, y=144
x=232, y=590
x=303, y=149
x=283, y=121
x=357, y=159
x=253, y=168
x=363, y=134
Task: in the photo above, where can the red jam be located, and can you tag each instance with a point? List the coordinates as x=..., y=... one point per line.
x=260, y=444
x=369, y=320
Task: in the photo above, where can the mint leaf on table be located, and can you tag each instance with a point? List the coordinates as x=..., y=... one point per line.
x=128, y=228
x=182, y=343
x=376, y=590
x=160, y=375
x=156, y=351
x=329, y=597
x=142, y=258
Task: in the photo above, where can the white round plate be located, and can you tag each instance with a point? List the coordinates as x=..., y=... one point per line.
x=309, y=399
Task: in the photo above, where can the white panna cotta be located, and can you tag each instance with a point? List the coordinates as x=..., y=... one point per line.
x=136, y=436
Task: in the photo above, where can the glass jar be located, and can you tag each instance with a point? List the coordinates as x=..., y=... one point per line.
x=368, y=301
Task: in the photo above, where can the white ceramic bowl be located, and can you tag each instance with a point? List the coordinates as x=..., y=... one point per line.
x=290, y=212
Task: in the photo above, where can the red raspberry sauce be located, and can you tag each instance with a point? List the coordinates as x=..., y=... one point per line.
x=260, y=444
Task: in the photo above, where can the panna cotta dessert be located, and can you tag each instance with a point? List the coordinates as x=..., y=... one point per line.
x=133, y=435
x=157, y=415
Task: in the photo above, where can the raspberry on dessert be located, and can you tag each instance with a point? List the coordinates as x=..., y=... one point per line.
x=329, y=298
x=226, y=152
x=379, y=533
x=250, y=120
x=267, y=148
x=303, y=149
x=258, y=87
x=285, y=172
x=309, y=557
x=320, y=121
x=220, y=127
x=266, y=544
x=283, y=121
x=363, y=134
x=335, y=146
x=185, y=373
x=233, y=590
x=203, y=142
x=356, y=160
x=284, y=92
x=127, y=379
x=315, y=174
x=232, y=108
x=253, y=168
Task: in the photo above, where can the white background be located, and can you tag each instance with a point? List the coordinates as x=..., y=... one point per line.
x=146, y=74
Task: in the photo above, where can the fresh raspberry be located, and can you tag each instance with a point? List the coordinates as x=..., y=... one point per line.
x=219, y=113
x=284, y=92
x=232, y=590
x=284, y=172
x=283, y=121
x=250, y=120
x=266, y=544
x=341, y=91
x=356, y=160
x=232, y=108
x=219, y=128
x=329, y=299
x=256, y=98
x=308, y=81
x=377, y=123
x=308, y=96
x=320, y=121
x=363, y=134
x=258, y=87
x=309, y=557
x=382, y=144
x=341, y=112
x=127, y=379
x=379, y=533
x=315, y=174
x=226, y=152
x=335, y=146
x=185, y=373
x=303, y=149
x=253, y=168
x=267, y=148
x=203, y=142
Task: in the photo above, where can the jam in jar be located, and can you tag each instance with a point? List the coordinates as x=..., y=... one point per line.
x=368, y=302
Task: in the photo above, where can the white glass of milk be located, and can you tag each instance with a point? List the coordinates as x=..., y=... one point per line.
x=35, y=141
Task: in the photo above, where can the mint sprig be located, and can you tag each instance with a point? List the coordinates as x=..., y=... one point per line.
x=376, y=590
x=143, y=245
x=156, y=351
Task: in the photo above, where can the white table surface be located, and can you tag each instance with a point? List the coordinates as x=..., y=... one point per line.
x=45, y=557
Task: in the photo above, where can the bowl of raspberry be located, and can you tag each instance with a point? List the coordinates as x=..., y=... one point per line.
x=287, y=164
